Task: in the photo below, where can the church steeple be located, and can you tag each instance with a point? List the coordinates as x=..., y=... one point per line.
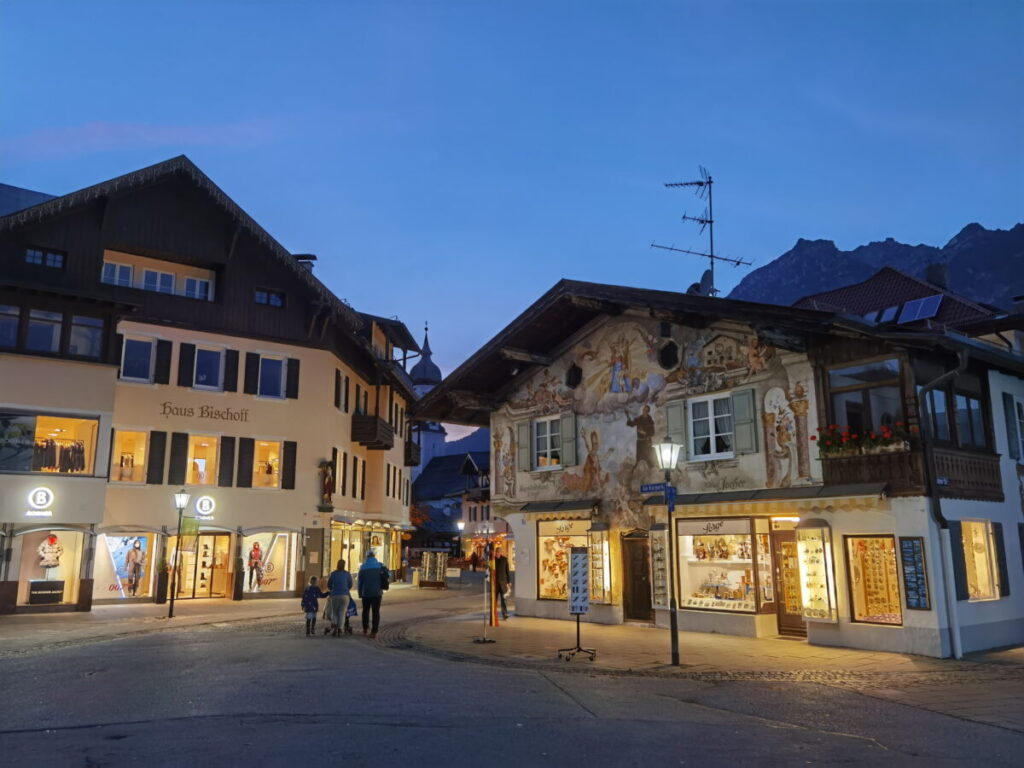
x=425, y=374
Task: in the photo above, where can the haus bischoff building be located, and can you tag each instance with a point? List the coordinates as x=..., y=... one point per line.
x=153, y=337
x=817, y=495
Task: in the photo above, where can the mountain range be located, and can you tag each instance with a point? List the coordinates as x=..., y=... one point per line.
x=984, y=265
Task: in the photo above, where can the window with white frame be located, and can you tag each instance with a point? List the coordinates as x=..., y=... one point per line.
x=710, y=427
x=117, y=274
x=547, y=443
x=198, y=288
x=137, y=359
x=271, y=382
x=980, y=559
x=161, y=282
x=209, y=371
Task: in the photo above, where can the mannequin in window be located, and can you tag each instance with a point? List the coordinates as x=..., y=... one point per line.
x=134, y=559
x=255, y=564
x=49, y=552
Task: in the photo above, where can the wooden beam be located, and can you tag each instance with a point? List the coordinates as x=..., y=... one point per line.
x=689, y=319
x=595, y=305
x=234, y=242
x=472, y=401
x=523, y=356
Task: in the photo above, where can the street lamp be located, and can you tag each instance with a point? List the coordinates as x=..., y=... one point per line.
x=668, y=456
x=461, y=525
x=180, y=503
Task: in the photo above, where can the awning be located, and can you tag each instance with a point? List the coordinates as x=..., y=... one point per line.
x=810, y=498
x=568, y=509
x=359, y=522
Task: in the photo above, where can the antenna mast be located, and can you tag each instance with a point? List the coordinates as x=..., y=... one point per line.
x=704, y=189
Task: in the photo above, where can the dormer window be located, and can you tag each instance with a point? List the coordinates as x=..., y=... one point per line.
x=41, y=258
x=268, y=298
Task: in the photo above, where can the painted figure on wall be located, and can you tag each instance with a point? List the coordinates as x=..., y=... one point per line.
x=505, y=462
x=644, y=424
x=592, y=478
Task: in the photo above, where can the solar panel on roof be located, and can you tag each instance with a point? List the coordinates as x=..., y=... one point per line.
x=920, y=309
x=909, y=313
x=887, y=315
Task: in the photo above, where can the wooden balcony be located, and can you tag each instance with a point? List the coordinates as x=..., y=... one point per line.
x=372, y=432
x=903, y=471
x=413, y=454
x=964, y=475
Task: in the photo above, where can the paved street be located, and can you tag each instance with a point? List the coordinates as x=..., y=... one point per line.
x=211, y=691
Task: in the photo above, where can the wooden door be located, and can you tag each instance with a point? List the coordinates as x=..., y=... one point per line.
x=789, y=603
x=636, y=572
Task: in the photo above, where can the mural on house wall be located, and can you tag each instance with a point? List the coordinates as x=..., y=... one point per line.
x=626, y=377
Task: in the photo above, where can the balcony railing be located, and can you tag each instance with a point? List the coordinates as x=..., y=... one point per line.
x=903, y=471
x=413, y=454
x=962, y=475
x=372, y=432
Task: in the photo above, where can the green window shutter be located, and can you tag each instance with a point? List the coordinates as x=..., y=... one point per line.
x=1012, y=437
x=675, y=424
x=567, y=428
x=524, y=452
x=744, y=421
x=956, y=546
x=1004, y=572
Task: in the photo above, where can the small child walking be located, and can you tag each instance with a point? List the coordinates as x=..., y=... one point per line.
x=311, y=604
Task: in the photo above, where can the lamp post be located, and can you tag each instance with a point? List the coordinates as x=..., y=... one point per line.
x=461, y=525
x=668, y=456
x=180, y=503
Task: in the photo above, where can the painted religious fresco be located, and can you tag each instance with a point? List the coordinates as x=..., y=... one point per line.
x=625, y=373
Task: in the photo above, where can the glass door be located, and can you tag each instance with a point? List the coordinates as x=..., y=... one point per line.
x=787, y=575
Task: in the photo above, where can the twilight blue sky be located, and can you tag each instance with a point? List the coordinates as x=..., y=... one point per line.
x=450, y=161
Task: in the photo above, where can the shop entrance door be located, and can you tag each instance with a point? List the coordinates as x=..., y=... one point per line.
x=204, y=573
x=789, y=604
x=636, y=570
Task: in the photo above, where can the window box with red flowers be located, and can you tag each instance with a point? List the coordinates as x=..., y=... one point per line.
x=835, y=441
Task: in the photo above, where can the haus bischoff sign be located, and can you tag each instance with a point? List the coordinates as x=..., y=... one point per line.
x=168, y=409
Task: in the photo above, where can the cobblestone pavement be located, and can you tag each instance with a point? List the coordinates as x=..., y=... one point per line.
x=987, y=688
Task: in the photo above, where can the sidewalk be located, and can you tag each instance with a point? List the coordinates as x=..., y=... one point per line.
x=986, y=688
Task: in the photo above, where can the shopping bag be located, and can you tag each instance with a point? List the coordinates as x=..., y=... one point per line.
x=351, y=611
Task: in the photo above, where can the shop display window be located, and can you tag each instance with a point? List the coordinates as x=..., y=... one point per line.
x=269, y=562
x=56, y=444
x=979, y=559
x=659, y=565
x=51, y=563
x=600, y=567
x=124, y=565
x=203, y=564
x=555, y=539
x=817, y=583
x=716, y=565
x=266, y=467
x=128, y=459
x=202, y=460
x=874, y=579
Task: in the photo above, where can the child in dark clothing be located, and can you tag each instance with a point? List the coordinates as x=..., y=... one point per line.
x=311, y=604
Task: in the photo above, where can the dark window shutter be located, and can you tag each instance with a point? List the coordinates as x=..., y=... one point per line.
x=288, y=465
x=387, y=481
x=335, y=468
x=157, y=451
x=110, y=464
x=744, y=422
x=355, y=476
x=226, y=470
x=348, y=387
x=1020, y=535
x=675, y=424
x=252, y=373
x=186, y=364
x=118, y=351
x=524, y=448
x=1012, y=437
x=231, y=370
x=956, y=546
x=246, y=452
x=162, y=369
x=343, y=474
x=179, y=459
x=359, y=398
x=337, y=388
x=1004, y=572
x=362, y=482
x=291, y=387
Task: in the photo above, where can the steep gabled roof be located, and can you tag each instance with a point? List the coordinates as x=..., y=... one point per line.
x=441, y=478
x=16, y=199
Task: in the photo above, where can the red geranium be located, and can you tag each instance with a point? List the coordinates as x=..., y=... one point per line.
x=814, y=437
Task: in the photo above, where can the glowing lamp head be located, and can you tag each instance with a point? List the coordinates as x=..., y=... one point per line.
x=461, y=525
x=667, y=453
x=181, y=499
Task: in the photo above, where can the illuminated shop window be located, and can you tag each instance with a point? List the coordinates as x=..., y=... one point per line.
x=51, y=562
x=52, y=444
x=269, y=562
x=129, y=457
x=555, y=540
x=980, y=559
x=124, y=566
x=202, y=460
x=874, y=579
x=266, y=467
x=717, y=565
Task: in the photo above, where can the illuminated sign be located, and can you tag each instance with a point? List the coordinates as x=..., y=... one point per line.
x=205, y=506
x=40, y=500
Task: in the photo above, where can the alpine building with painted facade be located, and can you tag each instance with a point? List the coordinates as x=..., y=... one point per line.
x=851, y=472
x=154, y=337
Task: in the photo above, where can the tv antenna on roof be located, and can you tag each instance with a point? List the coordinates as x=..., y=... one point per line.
x=703, y=187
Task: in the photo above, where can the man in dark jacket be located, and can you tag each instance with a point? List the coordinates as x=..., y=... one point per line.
x=502, y=578
x=373, y=583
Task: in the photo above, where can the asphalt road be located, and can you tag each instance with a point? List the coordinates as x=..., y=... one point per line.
x=262, y=694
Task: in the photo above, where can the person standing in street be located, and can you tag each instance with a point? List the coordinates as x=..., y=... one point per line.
x=373, y=583
x=339, y=584
x=502, y=579
x=311, y=604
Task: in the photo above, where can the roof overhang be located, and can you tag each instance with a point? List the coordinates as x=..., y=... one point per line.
x=780, y=501
x=578, y=509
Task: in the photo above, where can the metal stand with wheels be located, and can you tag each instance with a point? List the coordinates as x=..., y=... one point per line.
x=569, y=653
x=487, y=609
